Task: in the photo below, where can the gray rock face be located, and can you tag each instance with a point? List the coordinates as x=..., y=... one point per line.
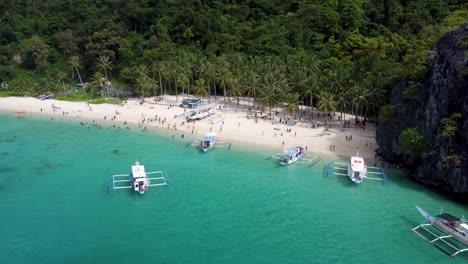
x=443, y=93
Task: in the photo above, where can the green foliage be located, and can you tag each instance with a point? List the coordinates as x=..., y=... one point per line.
x=35, y=54
x=385, y=113
x=411, y=91
x=352, y=50
x=449, y=127
x=463, y=44
x=412, y=141
x=6, y=94
x=105, y=101
x=451, y=161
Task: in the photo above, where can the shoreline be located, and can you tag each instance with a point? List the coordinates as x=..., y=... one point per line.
x=238, y=124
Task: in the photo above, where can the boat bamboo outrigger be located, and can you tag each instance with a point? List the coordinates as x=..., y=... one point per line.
x=209, y=141
x=138, y=179
x=445, y=232
x=292, y=155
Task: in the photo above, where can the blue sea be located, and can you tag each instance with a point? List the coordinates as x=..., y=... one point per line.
x=224, y=206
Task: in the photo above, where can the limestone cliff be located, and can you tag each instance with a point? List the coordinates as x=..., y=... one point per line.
x=443, y=164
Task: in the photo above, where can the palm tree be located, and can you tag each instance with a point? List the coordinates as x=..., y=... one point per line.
x=342, y=102
x=326, y=104
x=105, y=64
x=61, y=77
x=338, y=78
x=152, y=84
x=208, y=73
x=157, y=68
x=173, y=70
x=235, y=89
x=376, y=94
x=184, y=82
x=75, y=63
x=268, y=96
x=200, y=88
x=224, y=77
x=144, y=84
x=98, y=81
x=292, y=104
x=253, y=86
x=310, y=90
x=360, y=95
x=282, y=90
x=143, y=70
x=127, y=74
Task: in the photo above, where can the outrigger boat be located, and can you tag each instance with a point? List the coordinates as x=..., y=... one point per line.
x=451, y=230
x=201, y=112
x=292, y=155
x=209, y=141
x=138, y=179
x=356, y=169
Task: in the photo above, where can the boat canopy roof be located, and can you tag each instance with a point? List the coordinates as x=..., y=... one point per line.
x=449, y=217
x=291, y=151
x=357, y=164
x=138, y=171
x=209, y=137
x=203, y=107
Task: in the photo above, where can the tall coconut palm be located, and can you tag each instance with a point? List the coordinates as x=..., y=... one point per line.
x=61, y=77
x=338, y=77
x=153, y=85
x=127, y=74
x=200, y=88
x=253, y=86
x=235, y=89
x=208, y=73
x=143, y=70
x=104, y=63
x=268, y=96
x=360, y=99
x=224, y=76
x=326, y=104
x=144, y=84
x=173, y=71
x=166, y=72
x=156, y=68
x=184, y=82
x=376, y=94
x=292, y=104
x=75, y=63
x=283, y=89
x=98, y=81
x=342, y=103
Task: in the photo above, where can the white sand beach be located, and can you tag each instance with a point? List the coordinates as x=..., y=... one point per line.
x=230, y=122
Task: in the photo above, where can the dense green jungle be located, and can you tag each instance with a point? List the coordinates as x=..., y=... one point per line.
x=346, y=51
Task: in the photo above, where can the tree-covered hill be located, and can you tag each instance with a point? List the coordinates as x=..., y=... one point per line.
x=346, y=51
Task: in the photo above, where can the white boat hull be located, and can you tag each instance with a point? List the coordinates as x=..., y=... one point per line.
x=463, y=238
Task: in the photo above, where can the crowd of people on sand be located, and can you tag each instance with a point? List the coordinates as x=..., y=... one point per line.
x=151, y=121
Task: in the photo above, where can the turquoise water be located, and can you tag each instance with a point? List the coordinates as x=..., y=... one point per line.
x=222, y=207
